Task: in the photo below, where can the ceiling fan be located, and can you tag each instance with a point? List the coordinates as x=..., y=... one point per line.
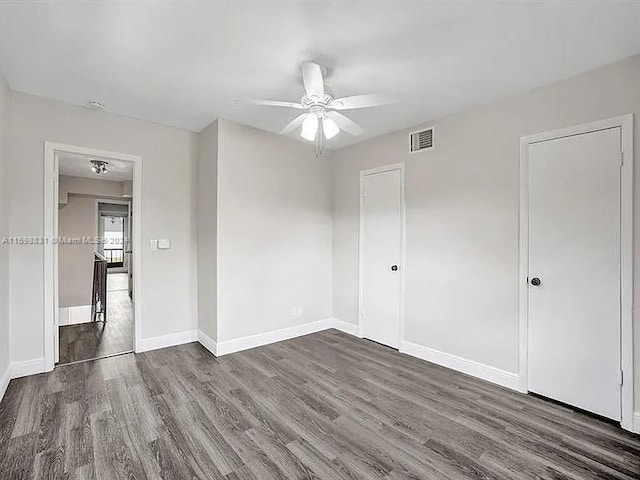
x=322, y=118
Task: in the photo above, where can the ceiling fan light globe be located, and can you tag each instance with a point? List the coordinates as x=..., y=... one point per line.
x=308, y=135
x=310, y=127
x=330, y=128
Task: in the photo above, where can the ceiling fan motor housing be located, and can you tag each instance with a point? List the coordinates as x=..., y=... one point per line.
x=317, y=110
x=312, y=100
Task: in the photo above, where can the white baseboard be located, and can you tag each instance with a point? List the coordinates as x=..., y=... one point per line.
x=28, y=367
x=252, y=341
x=171, y=340
x=345, y=327
x=470, y=367
x=4, y=381
x=74, y=315
x=207, y=342
x=20, y=369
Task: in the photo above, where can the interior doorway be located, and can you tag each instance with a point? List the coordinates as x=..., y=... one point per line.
x=95, y=309
x=91, y=307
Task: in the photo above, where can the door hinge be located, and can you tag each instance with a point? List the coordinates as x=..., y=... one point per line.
x=621, y=158
x=621, y=377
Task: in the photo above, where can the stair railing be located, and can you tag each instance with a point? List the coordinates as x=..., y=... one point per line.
x=99, y=290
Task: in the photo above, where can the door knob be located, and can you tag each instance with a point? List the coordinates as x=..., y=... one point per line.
x=535, y=281
x=394, y=268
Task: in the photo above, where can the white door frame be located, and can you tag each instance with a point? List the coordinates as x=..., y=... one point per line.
x=51, y=234
x=626, y=248
x=363, y=174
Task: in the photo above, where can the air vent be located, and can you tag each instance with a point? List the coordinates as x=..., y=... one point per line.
x=422, y=140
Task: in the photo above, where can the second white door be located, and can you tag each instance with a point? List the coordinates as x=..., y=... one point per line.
x=574, y=270
x=381, y=255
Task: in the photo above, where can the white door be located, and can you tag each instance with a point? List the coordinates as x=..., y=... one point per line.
x=381, y=255
x=574, y=270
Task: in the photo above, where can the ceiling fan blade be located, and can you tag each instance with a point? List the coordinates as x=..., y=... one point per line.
x=293, y=124
x=345, y=123
x=312, y=79
x=272, y=103
x=359, y=101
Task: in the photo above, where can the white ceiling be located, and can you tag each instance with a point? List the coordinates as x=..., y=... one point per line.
x=184, y=63
x=80, y=166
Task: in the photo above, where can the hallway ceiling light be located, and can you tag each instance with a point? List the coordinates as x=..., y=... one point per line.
x=99, y=166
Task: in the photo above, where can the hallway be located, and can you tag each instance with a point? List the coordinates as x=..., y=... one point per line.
x=94, y=340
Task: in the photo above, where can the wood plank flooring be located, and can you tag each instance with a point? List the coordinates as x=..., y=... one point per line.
x=97, y=339
x=323, y=406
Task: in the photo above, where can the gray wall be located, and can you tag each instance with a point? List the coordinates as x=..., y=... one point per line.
x=168, y=211
x=207, y=217
x=76, y=219
x=88, y=186
x=4, y=249
x=273, y=233
x=462, y=214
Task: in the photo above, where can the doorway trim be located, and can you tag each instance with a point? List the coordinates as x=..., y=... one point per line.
x=363, y=174
x=625, y=123
x=50, y=203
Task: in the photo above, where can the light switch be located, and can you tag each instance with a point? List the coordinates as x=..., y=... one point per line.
x=164, y=244
x=154, y=244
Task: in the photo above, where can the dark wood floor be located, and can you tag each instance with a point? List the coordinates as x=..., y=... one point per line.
x=326, y=406
x=98, y=339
